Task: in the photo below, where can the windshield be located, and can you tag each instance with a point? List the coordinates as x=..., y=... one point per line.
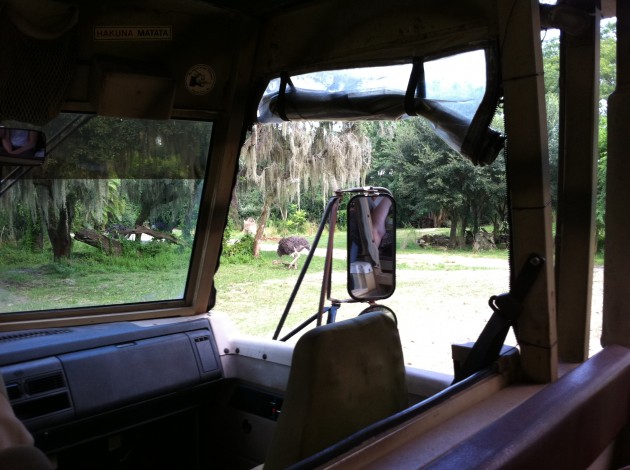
x=457, y=81
x=457, y=95
x=108, y=219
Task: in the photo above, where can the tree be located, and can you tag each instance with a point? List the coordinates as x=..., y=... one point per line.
x=432, y=182
x=57, y=200
x=286, y=159
x=607, y=83
x=109, y=170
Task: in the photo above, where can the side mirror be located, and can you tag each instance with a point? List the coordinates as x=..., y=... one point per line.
x=22, y=147
x=371, y=246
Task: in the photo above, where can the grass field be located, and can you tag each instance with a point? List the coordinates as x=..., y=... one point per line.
x=441, y=295
x=32, y=281
x=440, y=298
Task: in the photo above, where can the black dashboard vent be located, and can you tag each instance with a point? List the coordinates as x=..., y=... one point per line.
x=45, y=383
x=31, y=334
x=46, y=405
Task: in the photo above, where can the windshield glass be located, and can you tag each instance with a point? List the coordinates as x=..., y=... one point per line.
x=456, y=94
x=456, y=82
x=108, y=219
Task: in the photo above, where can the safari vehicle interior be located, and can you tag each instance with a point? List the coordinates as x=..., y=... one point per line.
x=157, y=97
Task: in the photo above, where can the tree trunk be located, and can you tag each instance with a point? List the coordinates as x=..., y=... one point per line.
x=139, y=230
x=58, y=228
x=233, y=213
x=97, y=240
x=145, y=210
x=495, y=225
x=261, y=228
x=453, y=234
x=56, y=219
x=37, y=242
x=36, y=235
x=461, y=240
x=476, y=213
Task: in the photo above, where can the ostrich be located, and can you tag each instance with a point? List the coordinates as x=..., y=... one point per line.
x=292, y=246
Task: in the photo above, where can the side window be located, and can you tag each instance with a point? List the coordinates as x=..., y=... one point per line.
x=108, y=219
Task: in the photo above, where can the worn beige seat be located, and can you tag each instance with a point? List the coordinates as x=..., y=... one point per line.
x=344, y=376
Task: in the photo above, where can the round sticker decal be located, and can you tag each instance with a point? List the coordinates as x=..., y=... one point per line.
x=200, y=79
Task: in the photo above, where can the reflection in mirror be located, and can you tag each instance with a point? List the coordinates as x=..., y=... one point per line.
x=371, y=247
x=20, y=147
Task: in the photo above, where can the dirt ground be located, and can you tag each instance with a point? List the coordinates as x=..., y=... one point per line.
x=443, y=299
x=450, y=305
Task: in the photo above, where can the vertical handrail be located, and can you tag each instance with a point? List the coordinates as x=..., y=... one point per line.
x=309, y=257
x=325, y=292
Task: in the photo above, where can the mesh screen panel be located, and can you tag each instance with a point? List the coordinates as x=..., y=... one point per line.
x=34, y=74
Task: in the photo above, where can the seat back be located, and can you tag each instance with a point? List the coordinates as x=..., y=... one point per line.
x=344, y=376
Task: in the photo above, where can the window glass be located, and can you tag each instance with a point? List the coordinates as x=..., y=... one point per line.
x=109, y=217
x=456, y=82
x=367, y=79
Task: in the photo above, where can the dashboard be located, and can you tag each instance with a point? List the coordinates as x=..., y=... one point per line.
x=75, y=384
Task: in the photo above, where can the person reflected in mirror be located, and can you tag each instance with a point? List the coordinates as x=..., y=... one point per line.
x=17, y=450
x=379, y=210
x=19, y=142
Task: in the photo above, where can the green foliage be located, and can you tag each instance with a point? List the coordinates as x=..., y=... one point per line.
x=296, y=220
x=342, y=219
x=551, y=64
x=90, y=277
x=241, y=251
x=431, y=181
x=608, y=73
x=249, y=201
x=112, y=171
x=153, y=249
x=600, y=207
x=17, y=257
x=608, y=62
x=63, y=268
x=116, y=204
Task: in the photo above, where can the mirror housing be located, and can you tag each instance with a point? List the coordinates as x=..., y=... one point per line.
x=22, y=147
x=371, y=246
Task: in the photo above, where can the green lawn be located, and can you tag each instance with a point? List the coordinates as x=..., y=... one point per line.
x=253, y=294
x=31, y=281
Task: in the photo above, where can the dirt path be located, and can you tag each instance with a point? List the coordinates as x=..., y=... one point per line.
x=433, y=318
x=443, y=299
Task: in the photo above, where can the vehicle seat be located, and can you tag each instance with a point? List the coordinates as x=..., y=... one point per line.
x=344, y=376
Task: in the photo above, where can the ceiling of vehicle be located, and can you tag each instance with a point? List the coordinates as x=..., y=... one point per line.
x=268, y=7
x=264, y=8
x=260, y=8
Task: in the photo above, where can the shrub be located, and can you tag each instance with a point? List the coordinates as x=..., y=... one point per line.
x=241, y=251
x=296, y=220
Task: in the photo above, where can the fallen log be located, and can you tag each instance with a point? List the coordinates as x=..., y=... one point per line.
x=97, y=240
x=153, y=233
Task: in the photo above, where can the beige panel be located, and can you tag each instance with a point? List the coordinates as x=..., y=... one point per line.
x=528, y=177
